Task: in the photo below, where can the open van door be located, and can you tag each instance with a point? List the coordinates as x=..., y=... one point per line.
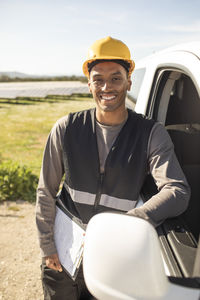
x=169, y=92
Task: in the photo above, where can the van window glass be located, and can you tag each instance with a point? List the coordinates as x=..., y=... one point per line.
x=138, y=76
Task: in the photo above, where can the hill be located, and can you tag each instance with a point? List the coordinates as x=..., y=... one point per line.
x=20, y=77
x=16, y=75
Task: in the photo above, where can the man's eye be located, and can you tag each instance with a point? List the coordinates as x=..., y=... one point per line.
x=116, y=78
x=98, y=80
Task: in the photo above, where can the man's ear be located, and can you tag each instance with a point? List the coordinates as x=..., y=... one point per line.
x=129, y=84
x=89, y=85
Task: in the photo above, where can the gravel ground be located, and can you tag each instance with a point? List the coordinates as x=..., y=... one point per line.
x=19, y=253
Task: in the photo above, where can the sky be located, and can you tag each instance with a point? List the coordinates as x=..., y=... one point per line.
x=52, y=37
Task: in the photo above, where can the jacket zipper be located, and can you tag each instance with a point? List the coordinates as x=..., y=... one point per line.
x=98, y=194
x=100, y=183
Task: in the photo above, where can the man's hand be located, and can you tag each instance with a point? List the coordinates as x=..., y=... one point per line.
x=52, y=262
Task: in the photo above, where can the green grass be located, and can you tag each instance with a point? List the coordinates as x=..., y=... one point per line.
x=25, y=125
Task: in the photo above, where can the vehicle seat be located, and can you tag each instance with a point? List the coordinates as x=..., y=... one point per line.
x=183, y=125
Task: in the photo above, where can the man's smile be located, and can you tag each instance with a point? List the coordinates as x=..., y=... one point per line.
x=107, y=97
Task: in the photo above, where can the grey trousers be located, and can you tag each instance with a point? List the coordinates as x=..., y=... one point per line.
x=59, y=286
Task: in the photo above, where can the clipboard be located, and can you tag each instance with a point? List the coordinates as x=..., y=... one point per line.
x=69, y=236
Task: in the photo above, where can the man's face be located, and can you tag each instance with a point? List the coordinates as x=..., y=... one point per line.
x=109, y=84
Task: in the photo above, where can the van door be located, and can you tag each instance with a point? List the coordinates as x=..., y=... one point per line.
x=174, y=101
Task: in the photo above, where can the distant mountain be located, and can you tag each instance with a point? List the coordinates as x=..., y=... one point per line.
x=18, y=77
x=17, y=74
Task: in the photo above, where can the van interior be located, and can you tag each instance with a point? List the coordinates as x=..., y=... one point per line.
x=176, y=104
x=183, y=125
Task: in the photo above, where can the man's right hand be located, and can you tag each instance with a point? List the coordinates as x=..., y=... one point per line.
x=52, y=262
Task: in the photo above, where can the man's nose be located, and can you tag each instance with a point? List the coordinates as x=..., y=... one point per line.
x=107, y=86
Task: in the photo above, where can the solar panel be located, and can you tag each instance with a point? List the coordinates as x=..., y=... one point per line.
x=41, y=89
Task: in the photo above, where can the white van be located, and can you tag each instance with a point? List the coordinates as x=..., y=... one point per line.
x=163, y=264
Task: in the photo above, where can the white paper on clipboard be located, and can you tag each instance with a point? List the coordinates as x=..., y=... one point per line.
x=69, y=240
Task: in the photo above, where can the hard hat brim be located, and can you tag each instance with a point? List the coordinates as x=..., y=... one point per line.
x=85, y=64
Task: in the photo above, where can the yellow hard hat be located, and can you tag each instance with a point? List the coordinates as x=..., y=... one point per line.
x=108, y=49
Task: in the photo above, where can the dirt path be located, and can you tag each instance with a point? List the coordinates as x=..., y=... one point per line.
x=19, y=253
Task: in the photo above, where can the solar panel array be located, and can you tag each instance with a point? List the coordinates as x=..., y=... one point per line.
x=41, y=89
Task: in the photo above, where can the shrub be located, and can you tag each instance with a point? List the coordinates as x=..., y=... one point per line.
x=17, y=182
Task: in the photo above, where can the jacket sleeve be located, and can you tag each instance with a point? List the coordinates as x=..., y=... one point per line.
x=173, y=190
x=51, y=174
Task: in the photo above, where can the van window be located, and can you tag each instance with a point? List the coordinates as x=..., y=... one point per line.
x=138, y=76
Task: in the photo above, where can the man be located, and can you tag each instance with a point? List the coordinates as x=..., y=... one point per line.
x=105, y=154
